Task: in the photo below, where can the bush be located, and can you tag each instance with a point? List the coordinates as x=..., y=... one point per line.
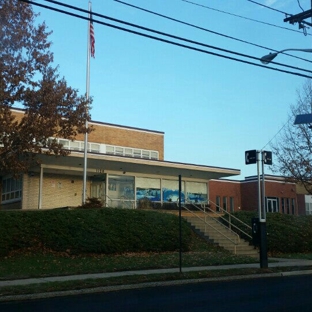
x=92, y=202
x=285, y=233
x=107, y=231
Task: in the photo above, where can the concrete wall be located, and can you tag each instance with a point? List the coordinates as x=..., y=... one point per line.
x=58, y=191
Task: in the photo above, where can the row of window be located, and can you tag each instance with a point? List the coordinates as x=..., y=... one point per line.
x=109, y=149
x=131, y=152
x=225, y=203
x=288, y=205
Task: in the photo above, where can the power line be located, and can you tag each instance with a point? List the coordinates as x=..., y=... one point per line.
x=243, y=17
x=301, y=24
x=171, y=36
x=300, y=6
x=207, y=30
x=268, y=7
x=277, y=133
x=165, y=40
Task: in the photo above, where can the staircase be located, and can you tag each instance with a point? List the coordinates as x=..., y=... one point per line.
x=207, y=224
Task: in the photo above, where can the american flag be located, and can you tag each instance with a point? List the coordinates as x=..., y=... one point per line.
x=92, y=39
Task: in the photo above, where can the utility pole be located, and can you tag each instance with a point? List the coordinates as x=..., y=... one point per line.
x=300, y=18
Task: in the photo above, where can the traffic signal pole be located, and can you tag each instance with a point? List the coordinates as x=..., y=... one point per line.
x=262, y=216
x=252, y=157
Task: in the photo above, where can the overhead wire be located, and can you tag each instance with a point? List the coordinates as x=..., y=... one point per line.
x=268, y=7
x=277, y=133
x=300, y=6
x=171, y=36
x=243, y=17
x=301, y=23
x=207, y=30
x=165, y=40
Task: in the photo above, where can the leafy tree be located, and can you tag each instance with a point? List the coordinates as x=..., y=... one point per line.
x=28, y=80
x=293, y=148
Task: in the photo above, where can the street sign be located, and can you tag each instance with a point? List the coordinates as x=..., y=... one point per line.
x=250, y=157
x=267, y=157
x=303, y=119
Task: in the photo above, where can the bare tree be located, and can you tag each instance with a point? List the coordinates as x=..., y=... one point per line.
x=293, y=148
x=28, y=80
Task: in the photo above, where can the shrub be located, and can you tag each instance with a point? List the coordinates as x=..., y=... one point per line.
x=285, y=233
x=92, y=202
x=144, y=203
x=107, y=231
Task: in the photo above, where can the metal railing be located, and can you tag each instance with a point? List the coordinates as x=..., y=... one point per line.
x=203, y=210
x=229, y=221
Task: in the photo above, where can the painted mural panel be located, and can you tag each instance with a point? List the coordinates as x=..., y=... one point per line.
x=196, y=192
x=148, y=188
x=170, y=190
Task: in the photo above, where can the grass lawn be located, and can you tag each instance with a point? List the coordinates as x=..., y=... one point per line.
x=30, y=263
x=305, y=256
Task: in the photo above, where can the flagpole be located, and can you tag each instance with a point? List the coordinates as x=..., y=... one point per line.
x=84, y=191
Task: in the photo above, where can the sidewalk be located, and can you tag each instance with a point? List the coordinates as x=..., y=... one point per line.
x=281, y=263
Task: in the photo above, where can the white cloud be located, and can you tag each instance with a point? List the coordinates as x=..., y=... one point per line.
x=269, y=2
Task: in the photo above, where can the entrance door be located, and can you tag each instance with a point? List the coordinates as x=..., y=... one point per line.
x=272, y=205
x=98, y=190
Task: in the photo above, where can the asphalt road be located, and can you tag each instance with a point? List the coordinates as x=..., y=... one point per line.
x=291, y=293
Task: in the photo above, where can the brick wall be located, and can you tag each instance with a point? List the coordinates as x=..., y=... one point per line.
x=121, y=136
x=274, y=189
x=127, y=137
x=226, y=189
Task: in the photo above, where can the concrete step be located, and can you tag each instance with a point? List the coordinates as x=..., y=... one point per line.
x=221, y=235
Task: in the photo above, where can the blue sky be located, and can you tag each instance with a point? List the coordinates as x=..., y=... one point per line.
x=211, y=109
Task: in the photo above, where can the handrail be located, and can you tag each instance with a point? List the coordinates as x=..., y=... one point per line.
x=229, y=221
x=210, y=225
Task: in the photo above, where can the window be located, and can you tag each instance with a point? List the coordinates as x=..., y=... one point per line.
x=293, y=206
x=232, y=204
x=148, y=188
x=196, y=192
x=218, y=202
x=121, y=187
x=94, y=148
x=170, y=191
x=109, y=149
x=272, y=204
x=308, y=207
x=283, y=205
x=154, y=155
x=119, y=151
x=145, y=154
x=137, y=153
x=287, y=205
x=75, y=146
x=65, y=143
x=224, y=203
x=128, y=152
x=11, y=189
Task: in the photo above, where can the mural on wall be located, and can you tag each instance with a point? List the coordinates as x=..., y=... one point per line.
x=149, y=193
x=196, y=198
x=171, y=196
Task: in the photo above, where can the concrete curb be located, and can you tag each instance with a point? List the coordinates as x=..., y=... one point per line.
x=149, y=284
